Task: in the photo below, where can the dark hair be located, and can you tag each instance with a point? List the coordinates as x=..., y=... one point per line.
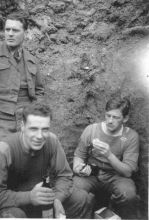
x=38, y=109
x=119, y=103
x=19, y=16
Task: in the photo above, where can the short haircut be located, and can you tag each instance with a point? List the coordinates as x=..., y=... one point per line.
x=123, y=104
x=37, y=109
x=18, y=16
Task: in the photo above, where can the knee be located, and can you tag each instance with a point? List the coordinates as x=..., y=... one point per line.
x=129, y=192
x=12, y=212
x=81, y=183
x=125, y=192
x=79, y=204
x=87, y=183
x=82, y=198
x=78, y=197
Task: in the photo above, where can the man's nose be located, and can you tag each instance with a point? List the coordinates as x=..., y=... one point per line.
x=39, y=134
x=10, y=32
x=110, y=119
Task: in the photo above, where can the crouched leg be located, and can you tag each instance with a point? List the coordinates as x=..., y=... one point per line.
x=124, y=198
x=92, y=185
x=87, y=183
x=12, y=212
x=79, y=205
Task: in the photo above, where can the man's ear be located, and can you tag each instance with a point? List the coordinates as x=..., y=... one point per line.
x=22, y=126
x=126, y=119
x=25, y=35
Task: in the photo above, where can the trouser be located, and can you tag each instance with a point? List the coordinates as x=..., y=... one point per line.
x=121, y=191
x=78, y=206
x=11, y=123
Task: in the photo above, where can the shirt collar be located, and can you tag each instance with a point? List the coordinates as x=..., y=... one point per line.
x=119, y=133
x=18, y=54
x=4, y=51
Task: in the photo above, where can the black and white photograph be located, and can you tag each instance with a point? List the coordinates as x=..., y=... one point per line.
x=74, y=109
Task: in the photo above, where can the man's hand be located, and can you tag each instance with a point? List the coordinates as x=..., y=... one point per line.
x=42, y=195
x=103, y=148
x=85, y=171
x=58, y=209
x=82, y=169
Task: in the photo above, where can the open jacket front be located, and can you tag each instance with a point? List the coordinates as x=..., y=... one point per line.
x=10, y=79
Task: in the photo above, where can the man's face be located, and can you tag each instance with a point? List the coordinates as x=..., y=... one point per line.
x=14, y=33
x=35, y=131
x=114, y=120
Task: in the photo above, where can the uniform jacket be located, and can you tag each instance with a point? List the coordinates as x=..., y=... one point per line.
x=10, y=79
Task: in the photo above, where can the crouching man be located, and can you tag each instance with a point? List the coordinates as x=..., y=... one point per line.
x=25, y=158
x=106, y=157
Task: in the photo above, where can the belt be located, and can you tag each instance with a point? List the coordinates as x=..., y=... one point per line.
x=23, y=96
x=23, y=92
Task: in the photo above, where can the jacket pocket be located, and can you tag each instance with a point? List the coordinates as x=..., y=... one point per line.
x=4, y=66
x=4, y=74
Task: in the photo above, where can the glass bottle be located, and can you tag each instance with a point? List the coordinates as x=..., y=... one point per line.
x=48, y=210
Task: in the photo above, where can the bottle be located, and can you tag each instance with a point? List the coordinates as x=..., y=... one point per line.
x=47, y=210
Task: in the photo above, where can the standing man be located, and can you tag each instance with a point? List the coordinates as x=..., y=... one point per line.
x=112, y=149
x=25, y=158
x=20, y=80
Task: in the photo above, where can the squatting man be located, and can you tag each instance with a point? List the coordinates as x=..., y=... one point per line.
x=27, y=156
x=107, y=156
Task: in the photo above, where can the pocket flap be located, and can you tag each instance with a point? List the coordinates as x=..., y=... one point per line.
x=4, y=66
x=32, y=68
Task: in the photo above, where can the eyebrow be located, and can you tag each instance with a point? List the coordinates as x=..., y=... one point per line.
x=113, y=115
x=38, y=127
x=6, y=28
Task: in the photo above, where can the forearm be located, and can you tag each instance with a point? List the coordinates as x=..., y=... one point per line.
x=11, y=198
x=119, y=166
x=76, y=162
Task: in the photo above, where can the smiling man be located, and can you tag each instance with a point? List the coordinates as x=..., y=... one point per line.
x=28, y=156
x=20, y=79
x=111, y=149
